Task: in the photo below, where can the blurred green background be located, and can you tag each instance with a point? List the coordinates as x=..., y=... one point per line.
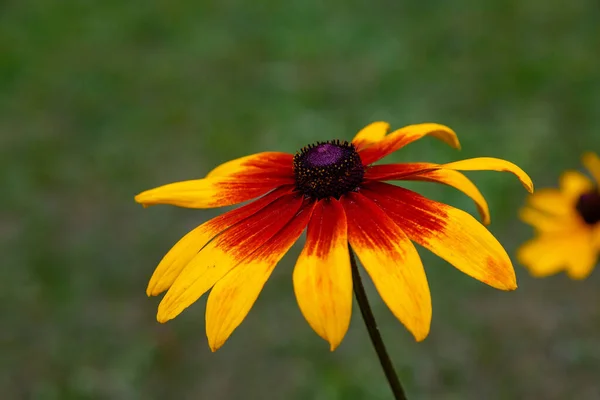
x=102, y=99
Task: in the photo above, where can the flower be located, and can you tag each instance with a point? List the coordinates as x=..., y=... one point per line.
x=567, y=221
x=331, y=189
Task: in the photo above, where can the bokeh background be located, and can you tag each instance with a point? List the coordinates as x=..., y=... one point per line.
x=102, y=99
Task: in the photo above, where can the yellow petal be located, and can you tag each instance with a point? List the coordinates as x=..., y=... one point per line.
x=492, y=164
x=548, y=254
x=544, y=256
x=230, y=183
x=448, y=232
x=224, y=253
x=592, y=163
x=573, y=184
x=370, y=134
x=177, y=258
x=401, y=137
x=596, y=237
x=391, y=261
x=583, y=254
x=552, y=202
x=458, y=181
x=195, y=280
x=545, y=222
x=182, y=253
x=233, y=296
x=322, y=276
x=270, y=162
x=211, y=192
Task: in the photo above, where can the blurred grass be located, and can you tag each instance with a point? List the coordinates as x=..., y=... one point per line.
x=100, y=100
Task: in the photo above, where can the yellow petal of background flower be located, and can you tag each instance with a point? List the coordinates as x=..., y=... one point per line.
x=573, y=184
x=185, y=249
x=370, y=134
x=401, y=137
x=592, y=163
x=570, y=250
x=582, y=256
x=448, y=232
x=552, y=202
x=596, y=237
x=322, y=276
x=545, y=255
x=492, y=164
x=391, y=261
x=545, y=222
x=224, y=253
x=233, y=296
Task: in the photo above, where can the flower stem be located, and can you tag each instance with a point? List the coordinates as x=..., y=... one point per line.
x=367, y=314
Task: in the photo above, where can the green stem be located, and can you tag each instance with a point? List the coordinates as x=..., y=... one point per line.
x=367, y=314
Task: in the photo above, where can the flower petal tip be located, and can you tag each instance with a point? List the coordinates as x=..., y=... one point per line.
x=492, y=164
x=446, y=134
x=162, y=318
x=156, y=287
x=501, y=276
x=456, y=144
x=509, y=287
x=214, y=344
x=421, y=329
x=523, y=177
x=529, y=185
x=142, y=198
x=333, y=345
x=420, y=336
x=165, y=313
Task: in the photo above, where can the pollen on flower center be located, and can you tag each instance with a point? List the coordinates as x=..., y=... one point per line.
x=328, y=169
x=588, y=207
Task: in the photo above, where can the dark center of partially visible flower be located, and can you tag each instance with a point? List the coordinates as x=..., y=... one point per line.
x=588, y=207
x=328, y=169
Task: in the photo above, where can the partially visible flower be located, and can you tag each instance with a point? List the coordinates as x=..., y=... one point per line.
x=331, y=188
x=567, y=221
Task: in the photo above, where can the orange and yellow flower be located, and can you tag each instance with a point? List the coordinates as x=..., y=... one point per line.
x=567, y=221
x=332, y=189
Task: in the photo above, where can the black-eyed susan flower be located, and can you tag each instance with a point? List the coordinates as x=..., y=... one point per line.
x=332, y=189
x=567, y=221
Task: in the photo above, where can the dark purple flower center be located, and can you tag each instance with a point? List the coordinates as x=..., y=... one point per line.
x=328, y=169
x=588, y=206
